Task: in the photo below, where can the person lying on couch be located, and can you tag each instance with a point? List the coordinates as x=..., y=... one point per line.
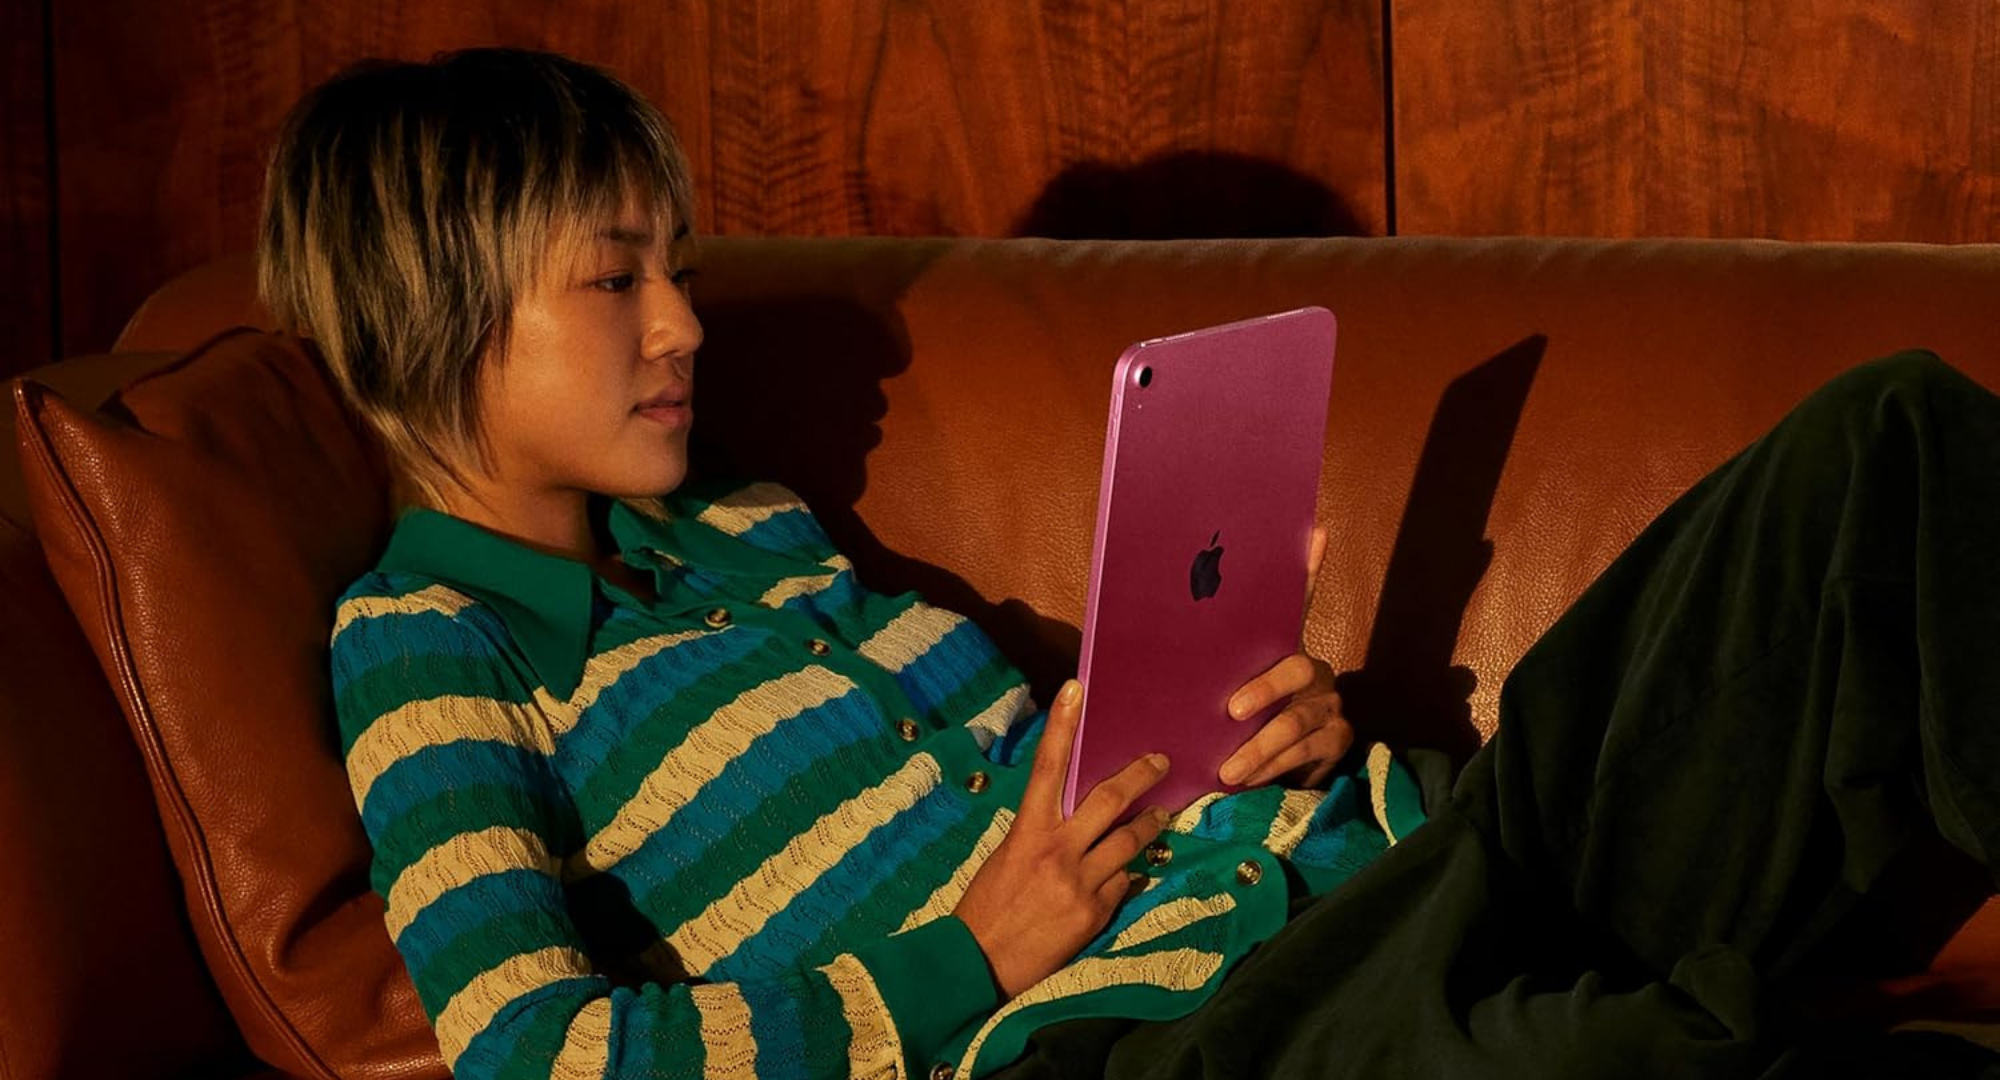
x=656, y=787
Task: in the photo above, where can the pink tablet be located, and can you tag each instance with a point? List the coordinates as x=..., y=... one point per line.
x=1198, y=569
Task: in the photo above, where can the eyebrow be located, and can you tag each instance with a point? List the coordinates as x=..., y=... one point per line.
x=618, y=234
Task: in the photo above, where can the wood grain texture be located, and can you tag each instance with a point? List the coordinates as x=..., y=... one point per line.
x=1059, y=115
x=808, y=117
x=26, y=293
x=1811, y=120
x=168, y=112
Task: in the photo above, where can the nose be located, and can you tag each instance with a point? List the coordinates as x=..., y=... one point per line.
x=671, y=332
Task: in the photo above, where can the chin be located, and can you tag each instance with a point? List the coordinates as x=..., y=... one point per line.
x=653, y=482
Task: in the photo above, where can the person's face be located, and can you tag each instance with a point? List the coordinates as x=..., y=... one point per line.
x=594, y=391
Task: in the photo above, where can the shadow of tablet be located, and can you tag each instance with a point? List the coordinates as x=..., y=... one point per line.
x=1407, y=690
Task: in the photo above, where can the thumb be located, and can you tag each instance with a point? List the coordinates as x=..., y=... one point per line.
x=1043, y=798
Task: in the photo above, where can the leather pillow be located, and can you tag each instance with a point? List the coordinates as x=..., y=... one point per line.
x=201, y=527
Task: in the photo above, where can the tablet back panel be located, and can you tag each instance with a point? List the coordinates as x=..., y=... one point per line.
x=1198, y=570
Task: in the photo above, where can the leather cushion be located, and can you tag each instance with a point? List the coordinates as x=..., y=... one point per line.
x=203, y=539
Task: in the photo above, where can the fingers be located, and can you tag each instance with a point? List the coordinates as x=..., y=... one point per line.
x=1041, y=801
x=1289, y=676
x=1123, y=843
x=1315, y=776
x=1317, y=750
x=1116, y=889
x=1283, y=730
x=1112, y=797
x=1315, y=722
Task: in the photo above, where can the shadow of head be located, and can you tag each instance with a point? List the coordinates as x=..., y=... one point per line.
x=1187, y=195
x=790, y=389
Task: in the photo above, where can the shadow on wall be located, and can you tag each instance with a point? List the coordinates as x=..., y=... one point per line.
x=1407, y=690
x=1188, y=195
x=797, y=396
x=794, y=394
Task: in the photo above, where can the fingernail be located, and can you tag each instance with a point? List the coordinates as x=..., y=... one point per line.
x=1231, y=772
x=1157, y=761
x=1071, y=690
x=1160, y=816
x=1236, y=708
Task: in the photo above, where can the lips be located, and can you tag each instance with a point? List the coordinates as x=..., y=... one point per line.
x=675, y=398
x=668, y=407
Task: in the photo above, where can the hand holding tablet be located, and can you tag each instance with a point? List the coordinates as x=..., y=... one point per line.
x=1301, y=744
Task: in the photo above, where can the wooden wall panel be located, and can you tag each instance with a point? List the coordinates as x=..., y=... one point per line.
x=807, y=117
x=26, y=293
x=1806, y=120
x=1199, y=113
x=1819, y=119
x=168, y=112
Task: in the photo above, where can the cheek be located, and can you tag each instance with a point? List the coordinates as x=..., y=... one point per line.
x=560, y=393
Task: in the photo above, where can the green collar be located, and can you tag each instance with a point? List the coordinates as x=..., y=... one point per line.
x=546, y=600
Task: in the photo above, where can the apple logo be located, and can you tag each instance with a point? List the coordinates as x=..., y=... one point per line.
x=1205, y=576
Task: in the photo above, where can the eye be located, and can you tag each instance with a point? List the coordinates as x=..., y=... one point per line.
x=684, y=275
x=616, y=283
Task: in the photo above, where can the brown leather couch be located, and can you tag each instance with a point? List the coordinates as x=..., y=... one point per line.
x=1506, y=414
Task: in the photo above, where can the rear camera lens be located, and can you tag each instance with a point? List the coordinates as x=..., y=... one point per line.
x=1145, y=376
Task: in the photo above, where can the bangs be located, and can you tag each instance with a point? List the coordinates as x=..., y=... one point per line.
x=589, y=155
x=561, y=239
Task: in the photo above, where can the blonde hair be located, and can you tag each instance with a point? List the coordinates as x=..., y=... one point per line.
x=407, y=206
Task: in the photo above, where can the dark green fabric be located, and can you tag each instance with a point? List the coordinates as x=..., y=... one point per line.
x=1787, y=681
x=545, y=599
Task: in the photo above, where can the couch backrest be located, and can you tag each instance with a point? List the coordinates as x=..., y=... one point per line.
x=1506, y=414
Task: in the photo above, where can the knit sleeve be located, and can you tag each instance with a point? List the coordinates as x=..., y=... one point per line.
x=450, y=763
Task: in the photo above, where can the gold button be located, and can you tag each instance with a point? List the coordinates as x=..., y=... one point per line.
x=1248, y=872
x=906, y=729
x=718, y=618
x=1159, y=854
x=976, y=783
x=818, y=647
x=943, y=1071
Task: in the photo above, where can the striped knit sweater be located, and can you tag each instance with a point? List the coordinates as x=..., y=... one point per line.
x=722, y=833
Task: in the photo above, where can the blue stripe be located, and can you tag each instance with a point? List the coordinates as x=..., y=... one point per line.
x=1016, y=745
x=830, y=900
x=434, y=770
x=839, y=595
x=1325, y=842
x=365, y=643
x=469, y=906
x=946, y=667
x=778, y=1025
x=786, y=532
x=704, y=583
x=654, y=682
